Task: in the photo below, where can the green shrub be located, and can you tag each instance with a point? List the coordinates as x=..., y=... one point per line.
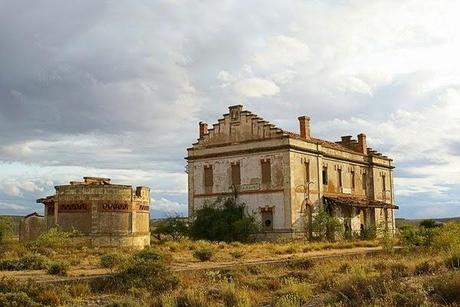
x=203, y=254
x=17, y=299
x=447, y=237
x=224, y=220
x=144, y=270
x=58, y=268
x=191, y=297
x=387, y=241
x=173, y=227
x=27, y=262
x=147, y=254
x=429, y=224
x=368, y=233
x=291, y=292
x=231, y=296
x=325, y=227
x=53, y=238
x=112, y=260
x=6, y=228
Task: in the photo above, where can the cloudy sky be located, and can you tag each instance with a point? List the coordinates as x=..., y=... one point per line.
x=116, y=88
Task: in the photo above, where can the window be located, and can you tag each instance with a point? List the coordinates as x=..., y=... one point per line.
x=267, y=218
x=307, y=172
x=266, y=171
x=325, y=175
x=352, y=179
x=208, y=176
x=364, y=181
x=384, y=188
x=339, y=177
x=236, y=173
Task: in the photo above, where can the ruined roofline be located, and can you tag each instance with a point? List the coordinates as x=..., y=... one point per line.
x=33, y=214
x=346, y=145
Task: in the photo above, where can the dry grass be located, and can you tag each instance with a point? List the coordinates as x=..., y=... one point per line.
x=409, y=278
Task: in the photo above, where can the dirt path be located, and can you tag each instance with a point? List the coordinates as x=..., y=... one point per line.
x=82, y=274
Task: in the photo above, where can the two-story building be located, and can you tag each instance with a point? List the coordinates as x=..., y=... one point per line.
x=285, y=178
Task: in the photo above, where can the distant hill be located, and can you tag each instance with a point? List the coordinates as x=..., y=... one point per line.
x=415, y=222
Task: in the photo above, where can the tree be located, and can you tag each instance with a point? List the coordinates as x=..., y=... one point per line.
x=6, y=228
x=429, y=224
x=223, y=220
x=175, y=227
x=324, y=226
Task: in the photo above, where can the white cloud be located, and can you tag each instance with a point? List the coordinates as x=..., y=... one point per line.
x=256, y=87
x=168, y=207
x=282, y=50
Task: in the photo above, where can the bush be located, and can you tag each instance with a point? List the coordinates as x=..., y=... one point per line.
x=27, y=262
x=453, y=262
x=429, y=224
x=447, y=237
x=445, y=288
x=145, y=270
x=293, y=292
x=224, y=220
x=17, y=299
x=203, y=254
x=173, y=227
x=112, y=260
x=324, y=226
x=368, y=233
x=234, y=297
x=58, y=268
x=53, y=238
x=6, y=228
x=147, y=254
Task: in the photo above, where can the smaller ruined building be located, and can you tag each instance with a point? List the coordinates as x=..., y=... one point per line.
x=100, y=213
x=31, y=226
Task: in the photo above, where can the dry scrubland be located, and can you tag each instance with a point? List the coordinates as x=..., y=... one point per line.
x=425, y=272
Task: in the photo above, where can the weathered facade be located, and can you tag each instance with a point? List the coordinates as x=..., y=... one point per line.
x=101, y=213
x=285, y=178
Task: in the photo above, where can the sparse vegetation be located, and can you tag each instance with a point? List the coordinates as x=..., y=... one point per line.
x=53, y=238
x=426, y=274
x=58, y=268
x=174, y=228
x=204, y=254
x=224, y=220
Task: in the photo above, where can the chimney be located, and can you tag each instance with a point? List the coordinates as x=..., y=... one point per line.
x=346, y=140
x=362, y=146
x=304, y=123
x=203, y=129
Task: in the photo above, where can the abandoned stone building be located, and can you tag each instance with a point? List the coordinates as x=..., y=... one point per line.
x=31, y=226
x=285, y=178
x=100, y=213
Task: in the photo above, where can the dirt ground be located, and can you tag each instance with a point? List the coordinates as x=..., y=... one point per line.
x=97, y=272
